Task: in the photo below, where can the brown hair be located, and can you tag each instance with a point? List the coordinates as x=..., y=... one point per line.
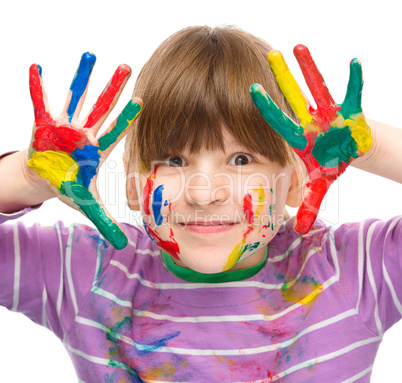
x=197, y=81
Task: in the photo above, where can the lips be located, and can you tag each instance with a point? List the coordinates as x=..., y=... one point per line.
x=207, y=227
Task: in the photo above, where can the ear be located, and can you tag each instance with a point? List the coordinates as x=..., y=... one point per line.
x=131, y=188
x=295, y=193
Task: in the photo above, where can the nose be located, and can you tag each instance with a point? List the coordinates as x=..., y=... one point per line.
x=204, y=188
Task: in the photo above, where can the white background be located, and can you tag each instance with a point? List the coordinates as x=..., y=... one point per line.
x=54, y=34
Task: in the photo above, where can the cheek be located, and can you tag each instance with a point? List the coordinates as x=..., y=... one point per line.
x=262, y=212
x=258, y=207
x=158, y=196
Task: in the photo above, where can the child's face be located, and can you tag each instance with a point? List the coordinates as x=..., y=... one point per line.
x=215, y=210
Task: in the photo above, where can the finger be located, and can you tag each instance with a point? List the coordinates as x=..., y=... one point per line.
x=308, y=210
x=38, y=95
x=107, y=100
x=353, y=99
x=86, y=202
x=289, y=87
x=79, y=85
x=314, y=80
x=276, y=119
x=118, y=127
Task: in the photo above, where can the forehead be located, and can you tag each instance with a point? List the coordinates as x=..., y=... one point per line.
x=229, y=145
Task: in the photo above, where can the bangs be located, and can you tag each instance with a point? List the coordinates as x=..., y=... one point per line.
x=196, y=84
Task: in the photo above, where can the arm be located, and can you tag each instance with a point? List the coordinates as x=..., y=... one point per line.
x=385, y=157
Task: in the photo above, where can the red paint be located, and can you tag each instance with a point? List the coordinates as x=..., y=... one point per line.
x=48, y=136
x=326, y=107
x=104, y=101
x=146, y=195
x=320, y=179
x=171, y=247
x=248, y=208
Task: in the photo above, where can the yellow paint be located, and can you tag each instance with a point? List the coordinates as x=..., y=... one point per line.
x=289, y=87
x=57, y=167
x=339, y=122
x=235, y=255
x=223, y=359
x=310, y=298
x=259, y=210
x=165, y=371
x=361, y=133
x=297, y=293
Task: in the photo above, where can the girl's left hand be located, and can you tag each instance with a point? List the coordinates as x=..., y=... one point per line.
x=328, y=138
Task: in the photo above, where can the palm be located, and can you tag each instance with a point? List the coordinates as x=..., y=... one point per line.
x=67, y=153
x=328, y=137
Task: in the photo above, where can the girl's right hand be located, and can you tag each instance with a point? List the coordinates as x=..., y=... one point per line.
x=65, y=155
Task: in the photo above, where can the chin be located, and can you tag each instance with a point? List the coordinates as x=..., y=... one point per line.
x=206, y=266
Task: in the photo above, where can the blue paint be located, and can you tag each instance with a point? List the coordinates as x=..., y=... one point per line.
x=146, y=229
x=88, y=162
x=80, y=82
x=166, y=203
x=40, y=70
x=153, y=346
x=157, y=205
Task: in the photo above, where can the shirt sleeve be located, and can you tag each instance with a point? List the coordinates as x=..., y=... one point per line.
x=369, y=266
x=47, y=272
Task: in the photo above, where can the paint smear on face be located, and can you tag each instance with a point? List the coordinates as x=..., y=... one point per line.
x=259, y=211
x=248, y=208
x=146, y=195
x=170, y=246
x=242, y=247
x=157, y=205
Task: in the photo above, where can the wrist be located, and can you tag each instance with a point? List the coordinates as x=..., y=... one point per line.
x=366, y=161
x=18, y=189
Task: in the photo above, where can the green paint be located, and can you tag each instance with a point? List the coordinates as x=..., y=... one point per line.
x=276, y=119
x=353, y=99
x=279, y=276
x=335, y=146
x=126, y=117
x=250, y=247
x=190, y=275
x=310, y=280
x=87, y=203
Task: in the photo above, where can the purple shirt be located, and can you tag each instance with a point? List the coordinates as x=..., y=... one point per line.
x=316, y=312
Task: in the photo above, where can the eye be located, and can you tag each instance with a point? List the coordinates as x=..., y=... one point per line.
x=176, y=161
x=240, y=159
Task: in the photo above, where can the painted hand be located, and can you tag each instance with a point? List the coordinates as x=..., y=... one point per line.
x=65, y=151
x=328, y=138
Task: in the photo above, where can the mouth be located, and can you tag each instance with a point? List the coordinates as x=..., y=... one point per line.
x=211, y=227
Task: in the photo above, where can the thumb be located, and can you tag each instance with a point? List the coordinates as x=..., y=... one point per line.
x=96, y=212
x=308, y=210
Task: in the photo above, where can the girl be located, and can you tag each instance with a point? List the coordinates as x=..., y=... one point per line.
x=219, y=285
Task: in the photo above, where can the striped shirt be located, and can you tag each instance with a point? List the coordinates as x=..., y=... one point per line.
x=316, y=312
